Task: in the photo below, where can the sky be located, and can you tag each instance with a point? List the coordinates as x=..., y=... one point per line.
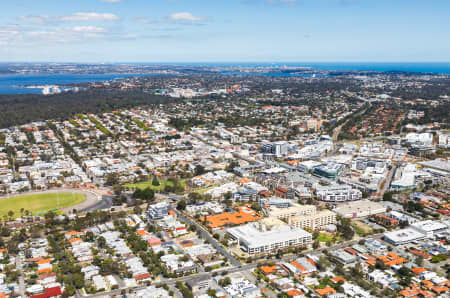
x=225, y=30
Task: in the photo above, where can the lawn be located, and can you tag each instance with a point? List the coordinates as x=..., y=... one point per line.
x=202, y=190
x=39, y=203
x=160, y=187
x=325, y=237
x=361, y=228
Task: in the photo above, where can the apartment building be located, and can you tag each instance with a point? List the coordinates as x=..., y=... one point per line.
x=313, y=221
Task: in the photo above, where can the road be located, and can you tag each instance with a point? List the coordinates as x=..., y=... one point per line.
x=214, y=242
x=237, y=268
x=338, y=129
x=104, y=203
x=172, y=281
x=21, y=279
x=388, y=180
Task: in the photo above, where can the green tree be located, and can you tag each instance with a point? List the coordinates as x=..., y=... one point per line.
x=155, y=181
x=199, y=170
x=181, y=205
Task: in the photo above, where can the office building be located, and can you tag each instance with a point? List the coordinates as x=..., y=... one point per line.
x=328, y=170
x=278, y=148
x=338, y=193
x=253, y=238
x=403, y=236
x=275, y=202
x=429, y=227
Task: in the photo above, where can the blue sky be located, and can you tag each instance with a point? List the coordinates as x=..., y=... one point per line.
x=224, y=30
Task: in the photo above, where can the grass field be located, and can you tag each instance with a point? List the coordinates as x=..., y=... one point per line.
x=203, y=189
x=39, y=203
x=361, y=228
x=325, y=237
x=160, y=187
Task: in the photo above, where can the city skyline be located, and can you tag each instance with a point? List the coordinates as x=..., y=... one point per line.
x=225, y=31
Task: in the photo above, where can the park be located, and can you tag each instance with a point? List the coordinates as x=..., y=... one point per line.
x=37, y=204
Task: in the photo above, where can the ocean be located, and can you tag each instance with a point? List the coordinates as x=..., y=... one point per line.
x=419, y=67
x=438, y=67
x=13, y=84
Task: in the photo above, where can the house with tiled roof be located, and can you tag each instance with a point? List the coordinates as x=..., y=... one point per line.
x=268, y=269
x=338, y=279
x=326, y=291
x=294, y=293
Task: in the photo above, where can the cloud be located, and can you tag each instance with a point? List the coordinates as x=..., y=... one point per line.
x=26, y=36
x=179, y=18
x=76, y=34
x=90, y=29
x=89, y=16
x=184, y=16
x=76, y=17
x=8, y=32
x=36, y=19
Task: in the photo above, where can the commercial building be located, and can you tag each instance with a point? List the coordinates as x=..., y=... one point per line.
x=429, y=227
x=363, y=163
x=359, y=209
x=278, y=148
x=199, y=284
x=405, y=178
x=419, y=138
x=151, y=291
x=275, y=202
x=253, y=238
x=307, y=165
x=328, y=170
x=439, y=165
x=403, y=236
x=344, y=257
x=338, y=193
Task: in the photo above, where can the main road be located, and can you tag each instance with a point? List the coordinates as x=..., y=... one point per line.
x=239, y=268
x=388, y=180
x=205, y=235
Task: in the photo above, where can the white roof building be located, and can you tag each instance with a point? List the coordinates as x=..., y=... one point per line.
x=99, y=282
x=254, y=238
x=359, y=209
x=429, y=227
x=151, y=292
x=403, y=236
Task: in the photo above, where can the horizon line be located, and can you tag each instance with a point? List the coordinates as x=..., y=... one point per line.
x=206, y=62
